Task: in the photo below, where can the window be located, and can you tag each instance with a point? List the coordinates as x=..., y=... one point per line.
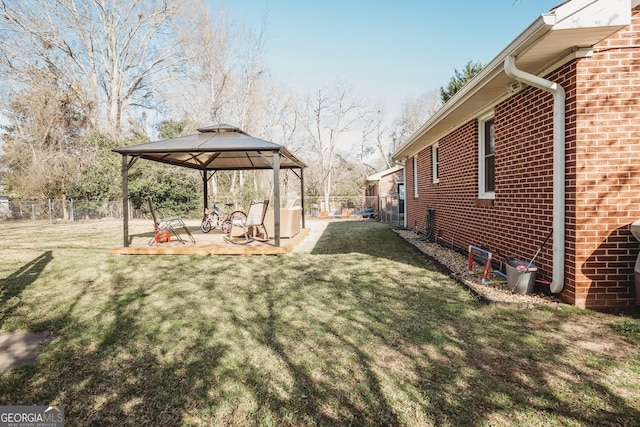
x=435, y=163
x=486, y=152
x=415, y=176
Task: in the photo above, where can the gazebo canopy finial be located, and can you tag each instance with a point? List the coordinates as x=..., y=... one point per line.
x=221, y=128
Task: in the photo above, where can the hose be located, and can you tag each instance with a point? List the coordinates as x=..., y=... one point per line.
x=430, y=225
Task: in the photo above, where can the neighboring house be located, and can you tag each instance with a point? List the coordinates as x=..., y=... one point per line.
x=384, y=193
x=546, y=137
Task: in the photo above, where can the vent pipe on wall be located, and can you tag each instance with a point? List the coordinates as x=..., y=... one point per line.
x=557, y=283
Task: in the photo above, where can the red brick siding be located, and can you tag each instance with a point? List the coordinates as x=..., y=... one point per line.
x=371, y=190
x=388, y=184
x=602, y=177
x=519, y=218
x=417, y=206
x=607, y=173
x=388, y=187
x=523, y=207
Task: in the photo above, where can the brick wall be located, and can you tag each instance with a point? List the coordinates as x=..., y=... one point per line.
x=516, y=222
x=602, y=177
x=389, y=204
x=607, y=170
x=388, y=184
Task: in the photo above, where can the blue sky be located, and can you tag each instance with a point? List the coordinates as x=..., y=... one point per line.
x=388, y=50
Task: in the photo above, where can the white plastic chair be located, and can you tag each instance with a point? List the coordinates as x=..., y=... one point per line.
x=252, y=224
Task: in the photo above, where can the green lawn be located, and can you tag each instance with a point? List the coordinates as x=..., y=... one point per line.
x=364, y=330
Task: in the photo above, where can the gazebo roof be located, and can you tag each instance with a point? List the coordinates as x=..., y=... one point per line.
x=219, y=147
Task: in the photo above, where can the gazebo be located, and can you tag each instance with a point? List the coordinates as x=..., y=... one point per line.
x=214, y=148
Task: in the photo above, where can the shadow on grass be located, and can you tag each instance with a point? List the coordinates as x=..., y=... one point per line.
x=119, y=374
x=12, y=286
x=369, y=238
x=418, y=357
x=466, y=363
x=366, y=334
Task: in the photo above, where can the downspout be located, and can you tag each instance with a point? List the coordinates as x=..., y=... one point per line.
x=557, y=282
x=404, y=201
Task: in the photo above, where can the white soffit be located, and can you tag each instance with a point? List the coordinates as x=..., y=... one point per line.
x=590, y=13
x=572, y=25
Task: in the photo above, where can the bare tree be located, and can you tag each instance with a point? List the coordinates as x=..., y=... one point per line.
x=374, y=139
x=204, y=91
x=42, y=144
x=251, y=71
x=280, y=125
x=114, y=53
x=326, y=117
x=224, y=67
x=415, y=113
x=223, y=82
x=280, y=121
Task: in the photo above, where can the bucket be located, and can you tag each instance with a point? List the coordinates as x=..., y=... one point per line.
x=521, y=279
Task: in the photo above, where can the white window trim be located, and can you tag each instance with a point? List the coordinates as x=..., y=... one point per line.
x=481, y=172
x=435, y=162
x=415, y=176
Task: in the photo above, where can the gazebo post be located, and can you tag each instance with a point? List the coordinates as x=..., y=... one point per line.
x=213, y=148
x=302, y=194
x=125, y=201
x=276, y=197
x=205, y=185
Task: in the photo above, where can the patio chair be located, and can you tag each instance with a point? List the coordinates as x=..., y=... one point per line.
x=252, y=225
x=166, y=226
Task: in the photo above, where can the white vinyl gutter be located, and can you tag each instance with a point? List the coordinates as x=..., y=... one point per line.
x=557, y=282
x=405, y=220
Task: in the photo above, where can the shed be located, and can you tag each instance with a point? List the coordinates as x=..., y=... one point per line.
x=384, y=193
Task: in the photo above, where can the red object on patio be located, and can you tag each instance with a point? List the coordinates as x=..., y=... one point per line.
x=163, y=236
x=214, y=148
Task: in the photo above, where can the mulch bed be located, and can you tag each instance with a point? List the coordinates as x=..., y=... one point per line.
x=495, y=291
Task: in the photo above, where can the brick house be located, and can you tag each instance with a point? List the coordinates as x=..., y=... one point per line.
x=384, y=193
x=546, y=137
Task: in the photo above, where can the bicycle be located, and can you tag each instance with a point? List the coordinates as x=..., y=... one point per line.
x=213, y=219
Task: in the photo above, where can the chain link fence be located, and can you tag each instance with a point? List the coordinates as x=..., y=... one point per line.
x=388, y=209
x=55, y=209
x=391, y=210
x=315, y=205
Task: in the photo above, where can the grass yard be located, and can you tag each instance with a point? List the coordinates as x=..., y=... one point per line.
x=364, y=330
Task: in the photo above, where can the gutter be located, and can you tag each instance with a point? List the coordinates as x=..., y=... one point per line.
x=404, y=201
x=594, y=20
x=534, y=32
x=557, y=283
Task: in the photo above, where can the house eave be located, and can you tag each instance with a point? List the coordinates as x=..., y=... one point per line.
x=378, y=176
x=571, y=27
